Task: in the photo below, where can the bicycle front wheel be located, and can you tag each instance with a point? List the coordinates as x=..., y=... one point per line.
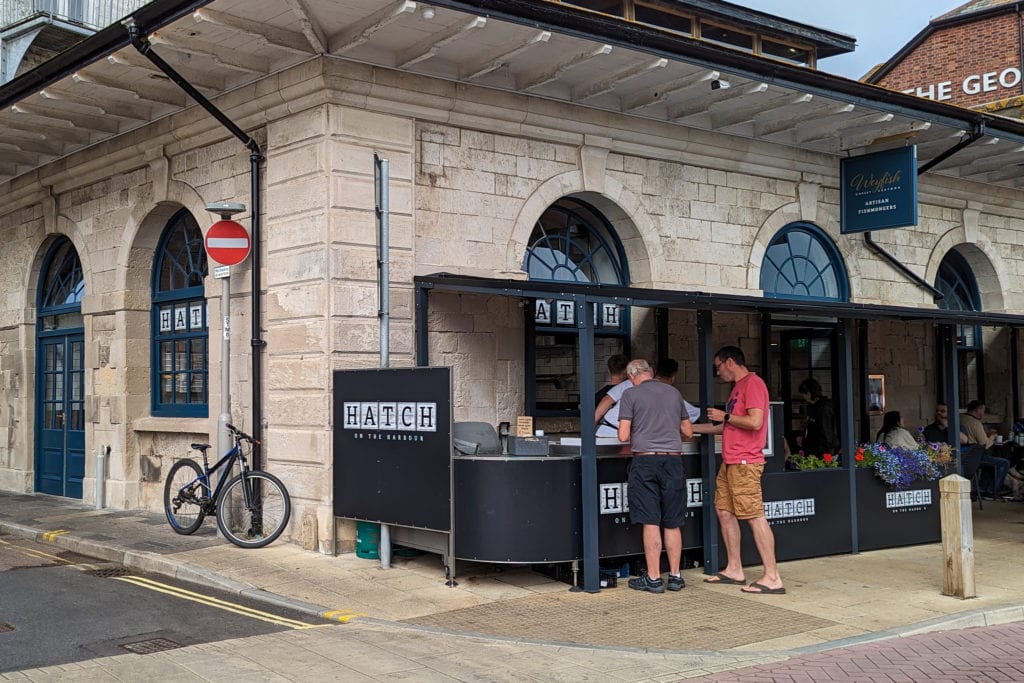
x=263, y=519
x=182, y=493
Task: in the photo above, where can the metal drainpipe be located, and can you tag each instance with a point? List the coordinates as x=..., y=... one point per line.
x=383, y=177
x=255, y=157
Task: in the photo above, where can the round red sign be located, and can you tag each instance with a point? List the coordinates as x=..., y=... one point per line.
x=227, y=243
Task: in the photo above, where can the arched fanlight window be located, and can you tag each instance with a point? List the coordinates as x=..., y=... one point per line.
x=180, y=335
x=571, y=242
x=803, y=263
x=60, y=296
x=960, y=292
x=574, y=242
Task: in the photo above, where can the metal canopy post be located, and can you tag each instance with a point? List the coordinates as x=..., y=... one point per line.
x=862, y=378
x=381, y=203
x=1015, y=373
x=588, y=446
x=951, y=390
x=422, y=312
x=705, y=362
x=844, y=360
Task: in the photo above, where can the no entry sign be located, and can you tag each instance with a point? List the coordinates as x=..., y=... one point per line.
x=227, y=243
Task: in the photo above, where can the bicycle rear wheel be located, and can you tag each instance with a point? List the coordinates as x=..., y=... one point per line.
x=266, y=517
x=182, y=492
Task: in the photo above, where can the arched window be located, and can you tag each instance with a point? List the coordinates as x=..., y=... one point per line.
x=571, y=242
x=802, y=263
x=180, y=337
x=574, y=242
x=960, y=292
x=60, y=297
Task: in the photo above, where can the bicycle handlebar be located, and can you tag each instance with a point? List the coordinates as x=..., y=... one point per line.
x=240, y=434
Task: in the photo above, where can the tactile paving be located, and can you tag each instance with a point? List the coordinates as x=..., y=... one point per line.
x=693, y=619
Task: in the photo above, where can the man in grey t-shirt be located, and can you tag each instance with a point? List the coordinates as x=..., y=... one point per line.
x=653, y=418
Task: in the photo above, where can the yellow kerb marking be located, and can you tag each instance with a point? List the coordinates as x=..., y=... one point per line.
x=49, y=536
x=342, y=615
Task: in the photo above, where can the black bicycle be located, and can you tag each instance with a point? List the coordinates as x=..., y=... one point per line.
x=252, y=508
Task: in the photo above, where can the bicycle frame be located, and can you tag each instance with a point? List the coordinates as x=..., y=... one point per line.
x=228, y=459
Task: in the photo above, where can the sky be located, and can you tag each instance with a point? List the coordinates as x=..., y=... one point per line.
x=881, y=27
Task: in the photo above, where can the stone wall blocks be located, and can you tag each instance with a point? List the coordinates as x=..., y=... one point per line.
x=357, y=226
x=295, y=163
x=305, y=230
x=307, y=336
x=355, y=299
x=291, y=268
x=306, y=125
x=354, y=263
x=295, y=373
x=305, y=195
x=371, y=126
x=356, y=335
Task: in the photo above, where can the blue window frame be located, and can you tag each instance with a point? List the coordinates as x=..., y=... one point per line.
x=802, y=262
x=180, y=345
x=60, y=297
x=960, y=292
x=571, y=242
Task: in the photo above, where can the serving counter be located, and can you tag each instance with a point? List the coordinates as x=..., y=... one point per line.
x=527, y=509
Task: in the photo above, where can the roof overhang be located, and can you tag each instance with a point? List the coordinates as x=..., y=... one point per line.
x=704, y=301
x=103, y=88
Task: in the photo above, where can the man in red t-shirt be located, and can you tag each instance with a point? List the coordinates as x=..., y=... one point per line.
x=743, y=426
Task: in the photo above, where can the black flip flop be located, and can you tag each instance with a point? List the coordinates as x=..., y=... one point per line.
x=763, y=590
x=721, y=578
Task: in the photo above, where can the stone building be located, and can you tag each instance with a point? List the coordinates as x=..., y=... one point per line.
x=687, y=147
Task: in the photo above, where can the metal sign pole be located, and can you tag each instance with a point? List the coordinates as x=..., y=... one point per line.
x=223, y=273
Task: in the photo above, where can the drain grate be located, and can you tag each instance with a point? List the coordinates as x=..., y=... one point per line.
x=5, y=628
x=109, y=572
x=148, y=647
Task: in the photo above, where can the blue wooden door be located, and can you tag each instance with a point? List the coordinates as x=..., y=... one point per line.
x=60, y=455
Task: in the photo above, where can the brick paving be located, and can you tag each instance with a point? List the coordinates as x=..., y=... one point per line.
x=986, y=653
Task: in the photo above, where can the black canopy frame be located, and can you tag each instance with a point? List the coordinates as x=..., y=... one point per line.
x=586, y=296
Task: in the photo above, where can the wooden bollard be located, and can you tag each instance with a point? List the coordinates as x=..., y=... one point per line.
x=957, y=537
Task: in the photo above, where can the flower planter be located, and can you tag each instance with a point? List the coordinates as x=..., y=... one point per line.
x=887, y=518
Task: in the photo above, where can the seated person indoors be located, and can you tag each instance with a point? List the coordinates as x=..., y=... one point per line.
x=972, y=427
x=893, y=434
x=938, y=431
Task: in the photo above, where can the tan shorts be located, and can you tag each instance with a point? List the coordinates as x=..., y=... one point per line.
x=738, y=490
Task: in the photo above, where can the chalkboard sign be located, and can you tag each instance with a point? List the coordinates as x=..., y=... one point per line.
x=393, y=446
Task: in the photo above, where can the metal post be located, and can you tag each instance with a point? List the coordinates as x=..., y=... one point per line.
x=705, y=360
x=380, y=175
x=101, y=476
x=223, y=273
x=588, y=448
x=844, y=369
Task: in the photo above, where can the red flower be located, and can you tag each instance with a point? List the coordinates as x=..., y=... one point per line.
x=827, y=458
x=860, y=456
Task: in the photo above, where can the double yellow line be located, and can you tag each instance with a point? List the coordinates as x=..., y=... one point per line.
x=35, y=553
x=209, y=601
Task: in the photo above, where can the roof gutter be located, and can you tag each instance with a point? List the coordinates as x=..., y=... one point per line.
x=150, y=17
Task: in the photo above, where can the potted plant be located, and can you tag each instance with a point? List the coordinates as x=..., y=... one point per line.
x=898, y=494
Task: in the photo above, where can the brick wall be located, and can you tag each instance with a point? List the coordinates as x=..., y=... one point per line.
x=945, y=66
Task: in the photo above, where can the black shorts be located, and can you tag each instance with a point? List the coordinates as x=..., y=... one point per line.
x=657, y=490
